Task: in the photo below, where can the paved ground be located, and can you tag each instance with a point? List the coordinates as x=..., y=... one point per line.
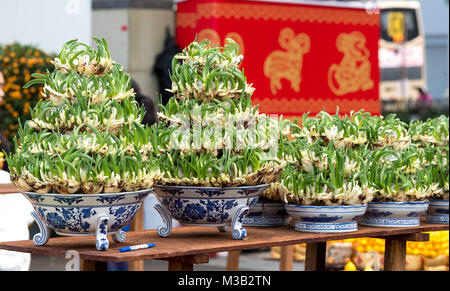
x=249, y=261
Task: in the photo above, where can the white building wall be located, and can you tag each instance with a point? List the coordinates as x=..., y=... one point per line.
x=48, y=24
x=135, y=31
x=113, y=25
x=436, y=22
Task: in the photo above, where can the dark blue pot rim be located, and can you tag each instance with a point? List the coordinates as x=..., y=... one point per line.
x=327, y=207
x=213, y=188
x=89, y=195
x=399, y=203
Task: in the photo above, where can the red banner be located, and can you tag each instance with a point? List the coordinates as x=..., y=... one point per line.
x=299, y=57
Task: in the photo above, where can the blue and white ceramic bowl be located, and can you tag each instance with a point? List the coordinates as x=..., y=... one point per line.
x=267, y=213
x=394, y=214
x=437, y=212
x=212, y=206
x=326, y=219
x=85, y=214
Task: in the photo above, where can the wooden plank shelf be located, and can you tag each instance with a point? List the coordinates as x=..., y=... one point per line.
x=8, y=188
x=182, y=253
x=191, y=245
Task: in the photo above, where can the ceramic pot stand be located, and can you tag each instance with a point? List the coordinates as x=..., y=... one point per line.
x=237, y=231
x=101, y=239
x=85, y=215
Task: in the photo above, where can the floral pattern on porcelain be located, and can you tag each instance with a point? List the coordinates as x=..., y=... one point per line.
x=377, y=213
x=205, y=205
x=321, y=218
x=192, y=205
x=110, y=199
x=79, y=214
x=395, y=214
x=67, y=219
x=438, y=212
x=210, y=193
x=215, y=211
x=68, y=201
x=267, y=213
x=326, y=219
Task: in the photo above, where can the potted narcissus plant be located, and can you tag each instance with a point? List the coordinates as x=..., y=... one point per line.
x=411, y=179
x=325, y=189
x=432, y=135
x=326, y=184
x=433, y=131
x=438, y=169
x=403, y=186
x=83, y=159
x=217, y=151
x=269, y=210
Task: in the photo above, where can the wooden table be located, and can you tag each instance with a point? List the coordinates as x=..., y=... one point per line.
x=190, y=245
x=8, y=188
x=136, y=224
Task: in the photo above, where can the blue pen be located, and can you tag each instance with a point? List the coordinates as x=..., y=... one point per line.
x=136, y=247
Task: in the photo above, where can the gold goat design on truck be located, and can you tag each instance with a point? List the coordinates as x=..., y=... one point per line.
x=287, y=64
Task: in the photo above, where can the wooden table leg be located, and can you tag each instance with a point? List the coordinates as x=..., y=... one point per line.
x=233, y=260
x=180, y=266
x=87, y=265
x=186, y=263
x=137, y=225
x=395, y=250
x=394, y=255
x=286, y=258
x=136, y=266
x=315, y=256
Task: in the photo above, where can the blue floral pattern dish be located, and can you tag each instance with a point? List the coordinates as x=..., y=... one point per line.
x=85, y=214
x=326, y=219
x=214, y=206
x=394, y=214
x=267, y=213
x=437, y=212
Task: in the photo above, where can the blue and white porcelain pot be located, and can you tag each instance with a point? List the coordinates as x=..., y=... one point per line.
x=212, y=206
x=394, y=214
x=326, y=219
x=85, y=214
x=267, y=213
x=437, y=211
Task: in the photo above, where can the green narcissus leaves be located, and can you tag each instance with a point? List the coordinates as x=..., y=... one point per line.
x=85, y=135
x=355, y=159
x=209, y=133
x=204, y=72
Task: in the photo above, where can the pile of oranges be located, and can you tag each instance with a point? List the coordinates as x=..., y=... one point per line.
x=437, y=245
x=423, y=255
x=430, y=255
x=366, y=244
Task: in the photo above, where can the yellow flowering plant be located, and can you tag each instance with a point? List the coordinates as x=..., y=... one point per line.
x=2, y=160
x=17, y=63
